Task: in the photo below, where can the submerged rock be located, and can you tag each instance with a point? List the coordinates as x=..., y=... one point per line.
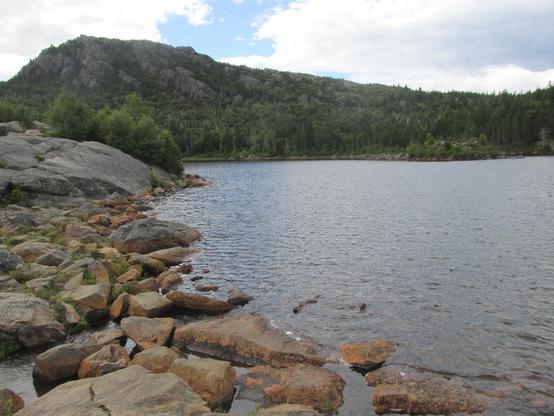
x=198, y=303
x=288, y=410
x=29, y=320
x=148, y=332
x=318, y=388
x=131, y=391
x=151, y=234
x=367, y=355
x=405, y=390
x=212, y=380
x=245, y=339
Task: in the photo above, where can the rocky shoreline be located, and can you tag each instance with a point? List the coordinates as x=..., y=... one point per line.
x=71, y=261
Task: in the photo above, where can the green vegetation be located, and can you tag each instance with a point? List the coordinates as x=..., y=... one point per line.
x=14, y=195
x=7, y=347
x=129, y=128
x=218, y=110
x=432, y=149
x=155, y=180
x=328, y=407
x=16, y=112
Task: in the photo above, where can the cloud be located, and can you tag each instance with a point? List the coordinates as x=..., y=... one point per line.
x=32, y=25
x=478, y=45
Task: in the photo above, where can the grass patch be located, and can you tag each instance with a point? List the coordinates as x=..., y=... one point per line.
x=88, y=278
x=82, y=325
x=155, y=180
x=10, y=240
x=328, y=407
x=38, y=156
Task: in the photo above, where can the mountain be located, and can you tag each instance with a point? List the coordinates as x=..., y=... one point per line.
x=221, y=109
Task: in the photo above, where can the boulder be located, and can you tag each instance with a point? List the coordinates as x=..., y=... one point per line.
x=10, y=127
x=236, y=298
x=53, y=258
x=151, y=234
x=70, y=169
x=108, y=336
x=29, y=251
x=148, y=332
x=108, y=359
x=10, y=402
x=167, y=280
x=172, y=256
x=156, y=359
x=120, y=305
x=212, y=380
x=9, y=262
x=99, y=272
x=92, y=299
x=198, y=303
x=149, y=304
x=405, y=390
x=245, y=339
x=367, y=355
x=19, y=220
x=61, y=362
x=29, y=320
x=133, y=274
x=288, y=410
x=81, y=232
x=318, y=388
x=131, y=391
x=146, y=285
x=150, y=265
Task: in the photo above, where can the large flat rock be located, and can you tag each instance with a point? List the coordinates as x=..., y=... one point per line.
x=245, y=339
x=128, y=392
x=54, y=168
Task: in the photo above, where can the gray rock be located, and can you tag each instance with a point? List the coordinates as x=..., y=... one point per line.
x=9, y=127
x=56, y=169
x=53, y=258
x=9, y=262
x=131, y=391
x=29, y=320
x=151, y=234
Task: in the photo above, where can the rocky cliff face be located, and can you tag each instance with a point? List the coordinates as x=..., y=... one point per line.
x=57, y=169
x=89, y=63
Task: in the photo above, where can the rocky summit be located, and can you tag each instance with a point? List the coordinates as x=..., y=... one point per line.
x=55, y=169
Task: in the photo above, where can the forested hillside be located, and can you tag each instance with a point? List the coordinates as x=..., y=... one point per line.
x=213, y=108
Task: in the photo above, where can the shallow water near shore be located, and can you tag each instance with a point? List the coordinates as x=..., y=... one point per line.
x=454, y=261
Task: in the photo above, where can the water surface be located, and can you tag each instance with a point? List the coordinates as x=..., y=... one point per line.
x=454, y=261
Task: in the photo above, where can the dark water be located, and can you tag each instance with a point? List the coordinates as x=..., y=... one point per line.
x=454, y=260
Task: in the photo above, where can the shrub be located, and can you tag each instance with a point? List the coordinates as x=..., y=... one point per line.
x=72, y=118
x=15, y=195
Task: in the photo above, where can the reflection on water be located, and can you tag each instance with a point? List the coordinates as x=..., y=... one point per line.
x=454, y=261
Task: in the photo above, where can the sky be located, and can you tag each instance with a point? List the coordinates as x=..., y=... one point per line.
x=471, y=45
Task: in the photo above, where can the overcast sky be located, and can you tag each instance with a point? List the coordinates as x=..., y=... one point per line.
x=478, y=45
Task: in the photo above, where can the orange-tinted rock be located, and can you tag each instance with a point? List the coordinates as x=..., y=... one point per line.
x=288, y=410
x=212, y=380
x=367, y=355
x=167, y=280
x=130, y=275
x=119, y=307
x=238, y=298
x=315, y=387
x=108, y=359
x=10, y=402
x=207, y=288
x=245, y=339
x=406, y=390
x=198, y=303
x=149, y=304
x=148, y=332
x=156, y=359
x=62, y=361
x=172, y=256
x=150, y=265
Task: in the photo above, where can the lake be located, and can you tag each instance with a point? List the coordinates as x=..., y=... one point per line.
x=454, y=261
